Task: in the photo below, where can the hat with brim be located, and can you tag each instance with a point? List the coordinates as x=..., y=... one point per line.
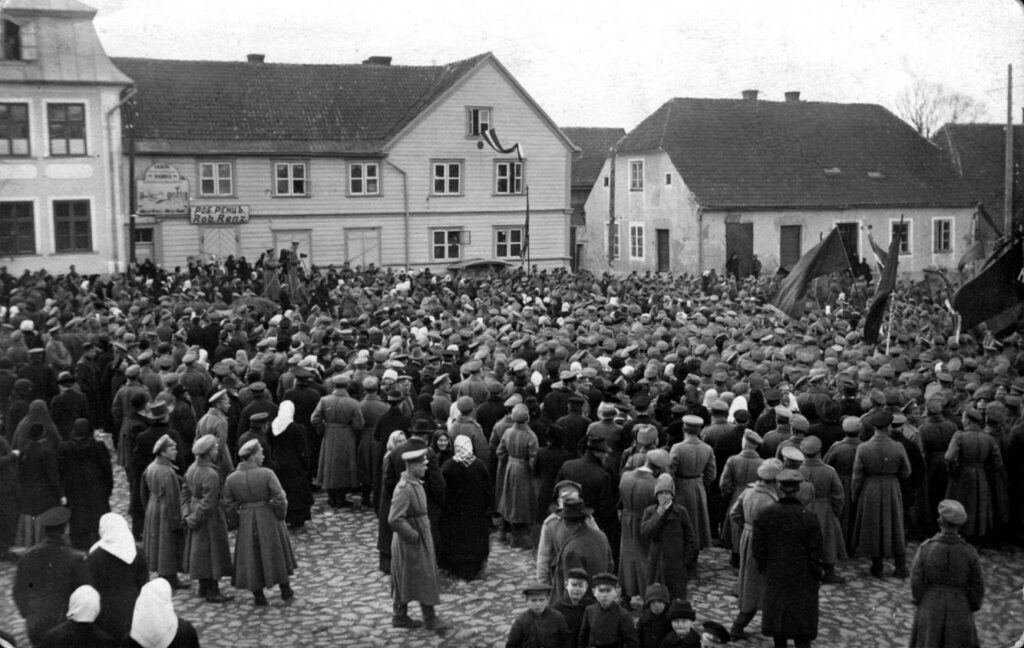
x=162, y=443
x=415, y=456
x=715, y=631
x=422, y=426
x=156, y=411
x=54, y=518
x=573, y=508
x=597, y=444
x=537, y=588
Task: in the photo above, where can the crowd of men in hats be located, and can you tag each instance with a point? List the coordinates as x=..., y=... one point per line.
x=617, y=426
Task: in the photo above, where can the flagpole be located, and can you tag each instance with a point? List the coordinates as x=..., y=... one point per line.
x=529, y=265
x=888, y=327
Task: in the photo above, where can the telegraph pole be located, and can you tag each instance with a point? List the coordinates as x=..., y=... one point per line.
x=1008, y=161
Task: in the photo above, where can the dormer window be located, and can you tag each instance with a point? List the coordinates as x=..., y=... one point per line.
x=10, y=41
x=479, y=120
x=832, y=171
x=876, y=175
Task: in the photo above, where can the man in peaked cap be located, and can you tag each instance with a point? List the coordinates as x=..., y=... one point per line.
x=786, y=543
x=879, y=464
x=774, y=438
x=827, y=505
x=413, y=561
x=472, y=384
x=739, y=470
x=207, y=556
x=693, y=465
x=46, y=575
x=725, y=440
x=340, y=418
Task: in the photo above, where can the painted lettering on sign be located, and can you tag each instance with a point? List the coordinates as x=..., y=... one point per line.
x=219, y=214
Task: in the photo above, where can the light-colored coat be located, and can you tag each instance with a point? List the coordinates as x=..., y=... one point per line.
x=517, y=455
x=340, y=418
x=162, y=533
x=828, y=506
x=207, y=552
x=413, y=561
x=636, y=493
x=255, y=501
x=693, y=468
x=751, y=501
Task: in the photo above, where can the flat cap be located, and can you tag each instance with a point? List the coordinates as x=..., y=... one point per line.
x=791, y=453
x=659, y=457
x=162, y=443
x=810, y=446
x=692, y=421
x=952, y=512
x=249, y=447
x=204, y=444
x=54, y=517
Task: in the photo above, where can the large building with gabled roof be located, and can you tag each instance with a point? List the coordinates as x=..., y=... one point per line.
x=371, y=163
x=701, y=180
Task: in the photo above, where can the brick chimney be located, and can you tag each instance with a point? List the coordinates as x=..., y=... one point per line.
x=793, y=96
x=378, y=60
x=750, y=95
x=255, y=58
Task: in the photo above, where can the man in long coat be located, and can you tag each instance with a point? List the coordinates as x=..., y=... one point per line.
x=413, y=562
x=693, y=467
x=787, y=547
x=163, y=536
x=577, y=545
x=826, y=506
x=974, y=462
x=207, y=555
x=215, y=424
x=841, y=456
x=598, y=490
x=878, y=466
x=752, y=501
x=946, y=585
x=739, y=470
x=340, y=418
x=256, y=504
x=636, y=493
x=517, y=454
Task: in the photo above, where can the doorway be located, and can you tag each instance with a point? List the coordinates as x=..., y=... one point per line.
x=663, y=250
x=283, y=240
x=850, y=233
x=789, y=246
x=739, y=240
x=362, y=246
x=217, y=243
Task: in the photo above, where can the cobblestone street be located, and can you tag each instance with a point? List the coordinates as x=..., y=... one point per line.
x=342, y=600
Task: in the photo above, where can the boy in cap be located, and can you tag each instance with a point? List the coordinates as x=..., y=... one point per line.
x=681, y=615
x=538, y=625
x=413, y=561
x=605, y=623
x=654, y=624
x=574, y=602
x=673, y=542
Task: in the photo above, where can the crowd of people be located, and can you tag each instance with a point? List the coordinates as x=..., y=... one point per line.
x=616, y=426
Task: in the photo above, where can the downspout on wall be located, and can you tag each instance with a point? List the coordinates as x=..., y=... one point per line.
x=700, y=240
x=115, y=185
x=405, y=201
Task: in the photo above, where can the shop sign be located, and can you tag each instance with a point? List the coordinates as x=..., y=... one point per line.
x=219, y=214
x=163, y=192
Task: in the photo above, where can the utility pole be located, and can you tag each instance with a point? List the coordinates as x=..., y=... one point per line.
x=611, y=209
x=1008, y=162
x=132, y=190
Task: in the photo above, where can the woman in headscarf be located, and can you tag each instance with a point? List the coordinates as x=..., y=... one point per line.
x=465, y=523
x=117, y=569
x=441, y=444
x=38, y=414
x=88, y=481
x=291, y=454
x=154, y=623
x=80, y=630
x=38, y=483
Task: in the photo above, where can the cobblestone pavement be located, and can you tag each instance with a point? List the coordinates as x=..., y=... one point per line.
x=342, y=600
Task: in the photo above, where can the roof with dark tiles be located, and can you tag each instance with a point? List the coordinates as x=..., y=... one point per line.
x=594, y=144
x=978, y=153
x=756, y=154
x=245, y=107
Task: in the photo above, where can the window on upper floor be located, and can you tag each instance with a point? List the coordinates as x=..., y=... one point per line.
x=447, y=176
x=13, y=129
x=446, y=244
x=942, y=235
x=216, y=178
x=902, y=230
x=615, y=239
x=364, y=179
x=636, y=175
x=17, y=228
x=636, y=241
x=66, y=122
x=10, y=41
x=478, y=120
x=508, y=177
x=72, y=226
x=291, y=179
x=508, y=242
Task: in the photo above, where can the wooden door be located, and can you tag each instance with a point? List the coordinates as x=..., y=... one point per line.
x=789, y=246
x=362, y=246
x=739, y=240
x=216, y=243
x=663, y=248
x=283, y=240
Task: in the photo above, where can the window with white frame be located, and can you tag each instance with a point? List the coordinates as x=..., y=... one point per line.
x=636, y=175
x=508, y=242
x=216, y=179
x=290, y=179
x=614, y=240
x=479, y=120
x=902, y=230
x=364, y=179
x=508, y=177
x=17, y=228
x=13, y=129
x=66, y=124
x=446, y=244
x=636, y=241
x=447, y=176
x=72, y=226
x=942, y=235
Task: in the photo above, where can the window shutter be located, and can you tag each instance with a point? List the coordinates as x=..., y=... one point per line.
x=464, y=237
x=29, y=51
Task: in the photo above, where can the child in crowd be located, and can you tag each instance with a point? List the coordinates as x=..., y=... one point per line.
x=606, y=623
x=538, y=625
x=653, y=624
x=574, y=602
x=681, y=616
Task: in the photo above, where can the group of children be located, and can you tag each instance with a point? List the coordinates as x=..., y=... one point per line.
x=589, y=615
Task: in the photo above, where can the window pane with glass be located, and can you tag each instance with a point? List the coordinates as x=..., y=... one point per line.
x=17, y=228
x=66, y=125
x=13, y=129
x=72, y=226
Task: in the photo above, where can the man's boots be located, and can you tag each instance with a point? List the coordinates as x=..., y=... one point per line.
x=433, y=622
x=400, y=617
x=211, y=591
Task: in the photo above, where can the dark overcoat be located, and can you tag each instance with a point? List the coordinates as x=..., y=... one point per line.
x=465, y=525
x=878, y=466
x=47, y=574
x=256, y=503
x=119, y=584
x=207, y=553
x=413, y=562
x=947, y=588
x=88, y=481
x=673, y=545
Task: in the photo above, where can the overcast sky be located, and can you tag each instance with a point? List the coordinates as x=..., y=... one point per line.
x=612, y=63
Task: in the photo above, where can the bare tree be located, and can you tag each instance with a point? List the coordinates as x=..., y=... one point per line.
x=926, y=106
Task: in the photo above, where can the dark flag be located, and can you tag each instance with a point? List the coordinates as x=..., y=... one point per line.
x=886, y=284
x=490, y=136
x=997, y=288
x=828, y=256
x=881, y=256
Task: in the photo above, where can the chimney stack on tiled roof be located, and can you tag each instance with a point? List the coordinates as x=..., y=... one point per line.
x=378, y=60
x=255, y=58
x=793, y=96
x=750, y=95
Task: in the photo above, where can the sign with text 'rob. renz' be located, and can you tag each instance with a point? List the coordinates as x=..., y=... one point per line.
x=219, y=214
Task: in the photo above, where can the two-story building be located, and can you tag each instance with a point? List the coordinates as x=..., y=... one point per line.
x=701, y=180
x=60, y=141
x=368, y=163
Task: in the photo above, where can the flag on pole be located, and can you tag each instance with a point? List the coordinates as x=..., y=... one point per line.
x=996, y=289
x=490, y=136
x=886, y=284
x=526, y=230
x=828, y=256
x=881, y=256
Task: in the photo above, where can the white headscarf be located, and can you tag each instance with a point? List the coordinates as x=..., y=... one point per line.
x=710, y=396
x=464, y=450
x=116, y=538
x=154, y=622
x=84, y=604
x=284, y=418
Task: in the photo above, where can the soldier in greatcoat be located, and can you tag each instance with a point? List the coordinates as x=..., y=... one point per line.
x=827, y=506
x=340, y=418
x=693, y=467
x=163, y=535
x=207, y=555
